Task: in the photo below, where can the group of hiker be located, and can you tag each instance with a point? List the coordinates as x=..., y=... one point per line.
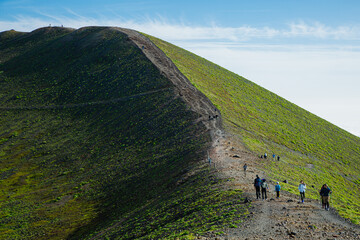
x=273, y=156
x=324, y=192
x=261, y=188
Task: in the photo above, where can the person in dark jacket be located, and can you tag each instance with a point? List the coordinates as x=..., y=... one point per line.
x=325, y=195
x=245, y=167
x=257, y=184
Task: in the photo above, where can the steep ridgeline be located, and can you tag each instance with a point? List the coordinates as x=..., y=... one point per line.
x=197, y=101
x=98, y=141
x=310, y=148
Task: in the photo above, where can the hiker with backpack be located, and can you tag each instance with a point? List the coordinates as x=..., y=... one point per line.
x=302, y=188
x=257, y=184
x=264, y=187
x=277, y=189
x=325, y=195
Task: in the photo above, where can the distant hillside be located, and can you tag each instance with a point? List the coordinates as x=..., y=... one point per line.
x=311, y=148
x=95, y=141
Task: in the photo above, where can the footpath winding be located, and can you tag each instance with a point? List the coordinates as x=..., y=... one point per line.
x=283, y=218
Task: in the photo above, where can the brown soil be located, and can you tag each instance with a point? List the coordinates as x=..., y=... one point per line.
x=282, y=218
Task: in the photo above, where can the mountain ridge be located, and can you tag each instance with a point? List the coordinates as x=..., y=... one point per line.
x=98, y=156
x=185, y=89
x=70, y=170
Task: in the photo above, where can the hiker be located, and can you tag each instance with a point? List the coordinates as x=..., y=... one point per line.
x=265, y=155
x=264, y=186
x=257, y=184
x=273, y=156
x=245, y=167
x=278, y=158
x=302, y=188
x=277, y=189
x=325, y=195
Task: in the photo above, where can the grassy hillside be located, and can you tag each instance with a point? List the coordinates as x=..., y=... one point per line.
x=311, y=148
x=93, y=140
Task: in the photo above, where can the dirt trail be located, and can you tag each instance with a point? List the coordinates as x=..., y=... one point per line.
x=85, y=104
x=283, y=218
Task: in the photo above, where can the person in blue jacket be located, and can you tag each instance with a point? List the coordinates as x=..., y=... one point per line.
x=277, y=189
x=302, y=188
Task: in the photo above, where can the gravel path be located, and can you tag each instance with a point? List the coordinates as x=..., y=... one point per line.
x=283, y=218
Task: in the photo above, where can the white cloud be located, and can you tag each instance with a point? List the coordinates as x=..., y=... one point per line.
x=163, y=28
x=318, y=30
x=170, y=32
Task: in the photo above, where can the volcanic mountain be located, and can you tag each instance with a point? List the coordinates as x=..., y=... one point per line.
x=109, y=133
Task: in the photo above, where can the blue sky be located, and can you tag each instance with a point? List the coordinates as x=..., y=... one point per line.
x=306, y=51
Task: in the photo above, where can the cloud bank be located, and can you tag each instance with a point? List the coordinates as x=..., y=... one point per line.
x=170, y=31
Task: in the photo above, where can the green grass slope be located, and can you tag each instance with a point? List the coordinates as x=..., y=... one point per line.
x=94, y=141
x=311, y=148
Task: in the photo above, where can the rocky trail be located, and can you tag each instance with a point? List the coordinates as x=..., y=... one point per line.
x=283, y=218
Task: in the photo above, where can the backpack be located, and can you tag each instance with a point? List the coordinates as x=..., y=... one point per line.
x=264, y=185
x=257, y=182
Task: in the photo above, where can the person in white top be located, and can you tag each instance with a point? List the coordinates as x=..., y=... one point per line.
x=302, y=188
